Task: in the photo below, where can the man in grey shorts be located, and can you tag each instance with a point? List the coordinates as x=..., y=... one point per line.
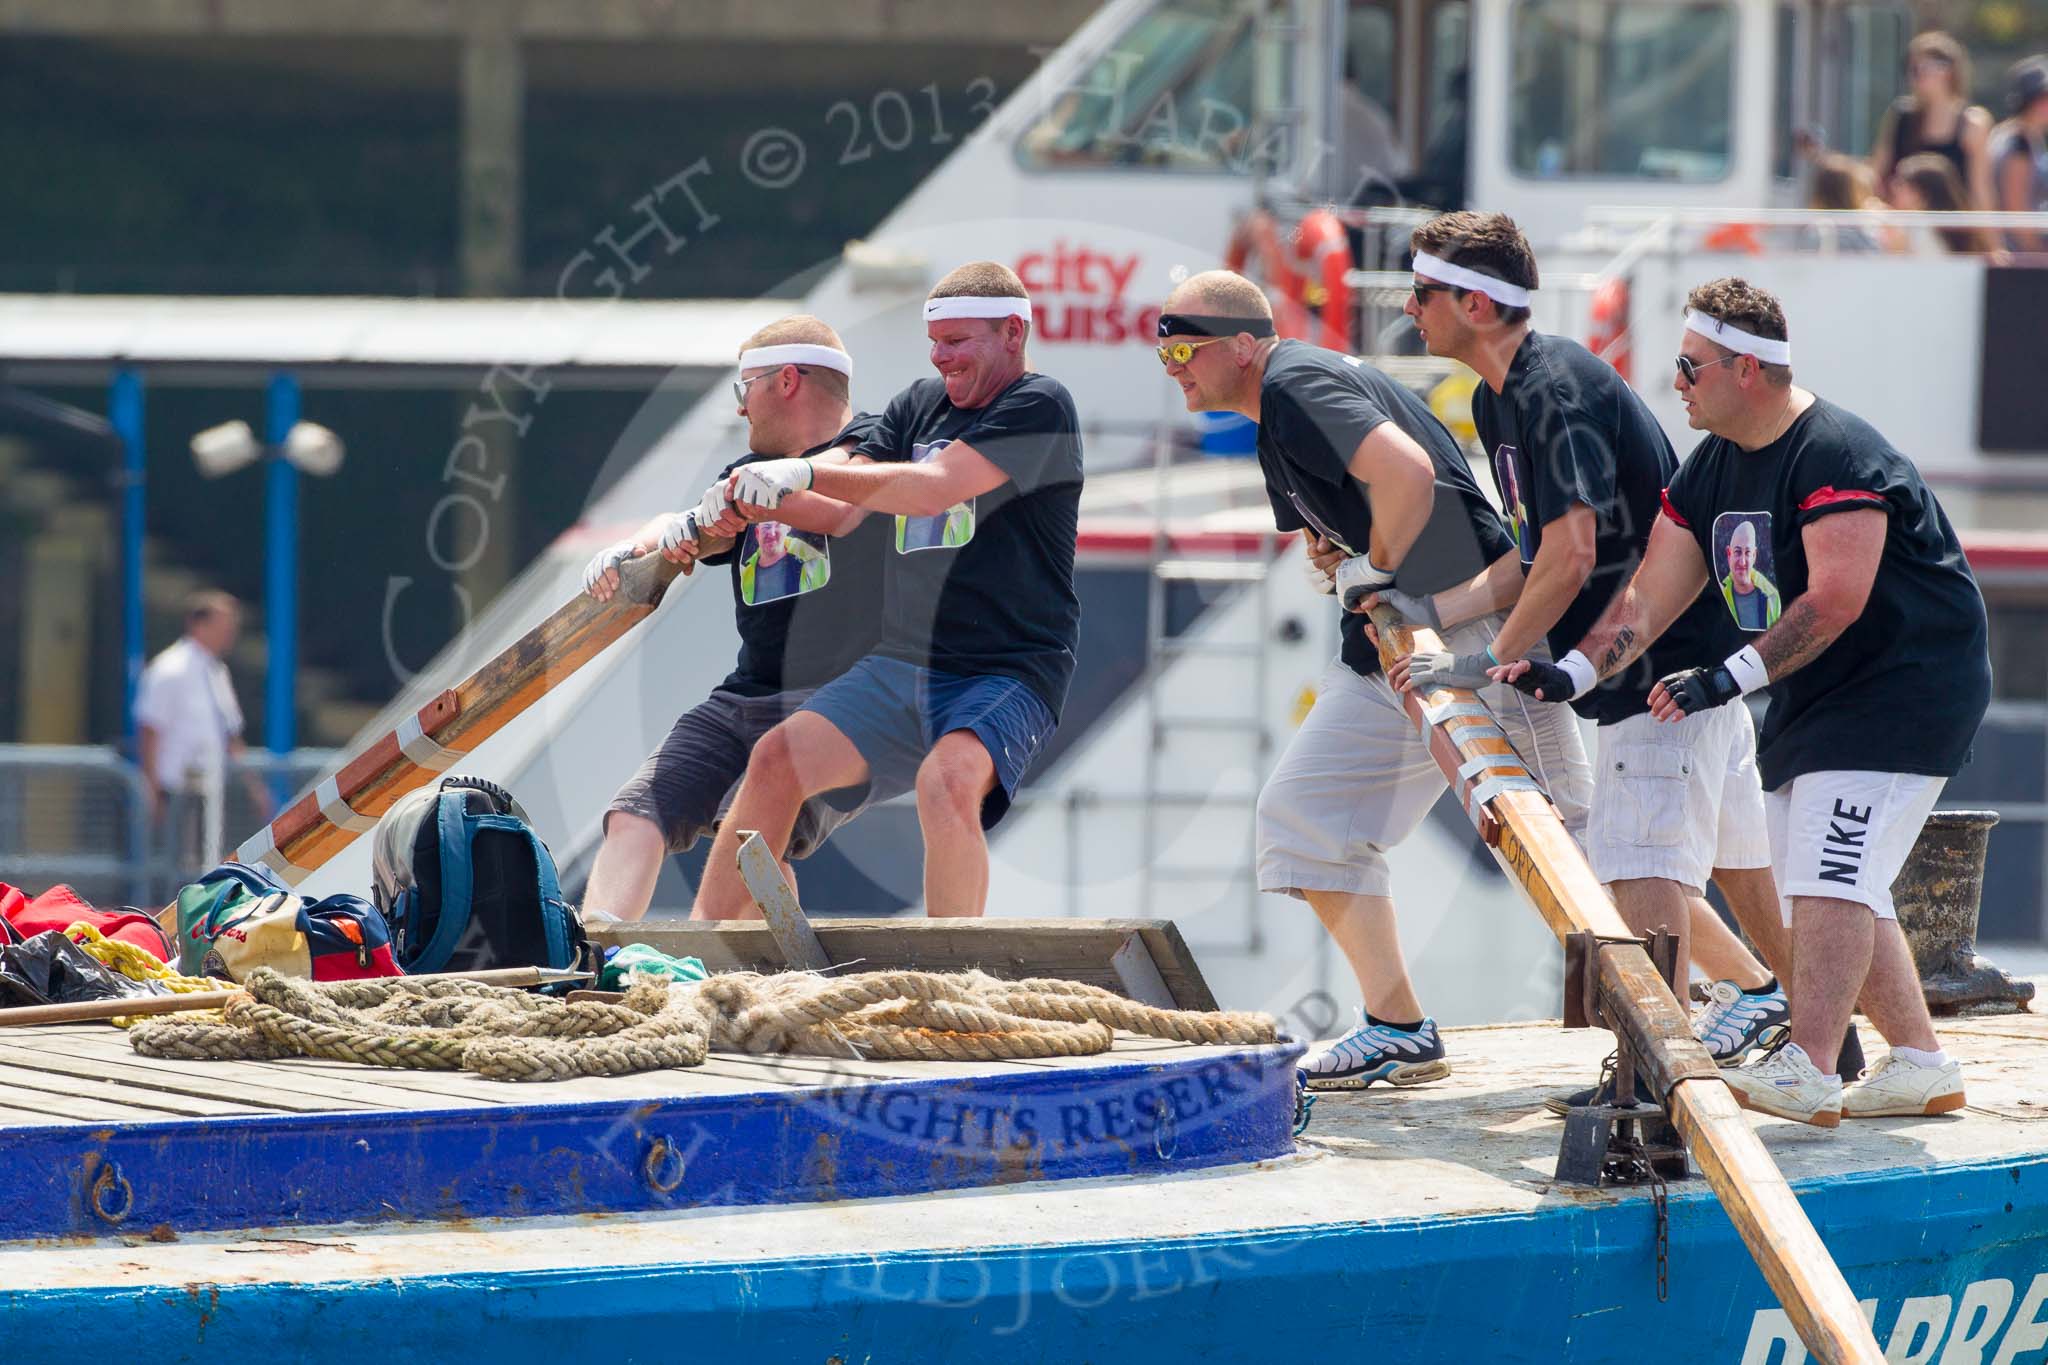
x=798, y=630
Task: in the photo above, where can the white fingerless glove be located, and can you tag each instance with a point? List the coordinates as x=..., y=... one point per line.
x=605, y=560
x=1359, y=578
x=766, y=484
x=1318, y=577
x=714, y=504
x=677, y=530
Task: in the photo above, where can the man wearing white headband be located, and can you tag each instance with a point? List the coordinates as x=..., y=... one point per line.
x=807, y=589
x=979, y=471
x=1382, y=494
x=1586, y=462
x=1878, y=670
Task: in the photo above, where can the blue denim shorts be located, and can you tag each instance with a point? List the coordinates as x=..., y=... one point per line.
x=894, y=712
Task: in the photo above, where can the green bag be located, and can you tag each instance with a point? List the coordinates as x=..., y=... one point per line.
x=638, y=957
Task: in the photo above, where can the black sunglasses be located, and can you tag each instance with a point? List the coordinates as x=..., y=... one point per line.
x=1423, y=291
x=1689, y=370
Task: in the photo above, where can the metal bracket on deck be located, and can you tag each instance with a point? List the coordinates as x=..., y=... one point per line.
x=1624, y=1142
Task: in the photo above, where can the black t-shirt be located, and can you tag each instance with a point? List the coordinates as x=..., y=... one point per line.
x=988, y=585
x=806, y=604
x=1315, y=406
x=1566, y=429
x=1903, y=689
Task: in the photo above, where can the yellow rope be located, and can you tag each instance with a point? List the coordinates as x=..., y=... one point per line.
x=137, y=964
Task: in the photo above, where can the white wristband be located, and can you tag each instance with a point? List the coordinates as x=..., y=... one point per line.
x=1746, y=666
x=1580, y=670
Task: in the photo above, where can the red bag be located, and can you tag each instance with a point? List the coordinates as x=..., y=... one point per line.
x=60, y=907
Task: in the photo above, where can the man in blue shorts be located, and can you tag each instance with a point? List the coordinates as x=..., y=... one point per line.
x=981, y=470
x=797, y=629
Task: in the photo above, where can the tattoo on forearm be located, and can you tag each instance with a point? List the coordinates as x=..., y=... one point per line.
x=1797, y=640
x=1617, y=653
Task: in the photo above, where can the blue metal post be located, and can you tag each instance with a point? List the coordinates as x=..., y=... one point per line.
x=125, y=407
x=281, y=568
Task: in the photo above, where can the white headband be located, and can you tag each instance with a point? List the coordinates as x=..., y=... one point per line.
x=1769, y=351
x=797, y=353
x=976, y=306
x=1495, y=288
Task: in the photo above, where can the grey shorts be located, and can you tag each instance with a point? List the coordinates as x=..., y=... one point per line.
x=686, y=785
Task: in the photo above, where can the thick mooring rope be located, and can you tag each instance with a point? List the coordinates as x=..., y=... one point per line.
x=945, y=1017
x=496, y=1032
x=508, y=1035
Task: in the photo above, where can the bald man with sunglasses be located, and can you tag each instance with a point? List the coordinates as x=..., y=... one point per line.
x=1383, y=496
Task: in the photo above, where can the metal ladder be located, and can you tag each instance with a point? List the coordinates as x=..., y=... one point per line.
x=1163, y=649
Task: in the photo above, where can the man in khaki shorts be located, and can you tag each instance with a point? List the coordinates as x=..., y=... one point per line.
x=1383, y=497
x=1878, y=670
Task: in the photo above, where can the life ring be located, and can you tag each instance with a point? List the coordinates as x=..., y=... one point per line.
x=1607, y=329
x=1319, y=290
x=1254, y=252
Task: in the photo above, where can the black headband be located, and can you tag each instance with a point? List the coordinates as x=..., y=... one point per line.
x=1211, y=325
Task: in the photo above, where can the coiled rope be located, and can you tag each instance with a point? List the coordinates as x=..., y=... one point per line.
x=506, y=1034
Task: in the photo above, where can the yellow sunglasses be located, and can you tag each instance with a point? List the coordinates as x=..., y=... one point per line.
x=1181, y=352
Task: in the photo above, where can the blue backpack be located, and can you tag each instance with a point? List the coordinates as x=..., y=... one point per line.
x=483, y=891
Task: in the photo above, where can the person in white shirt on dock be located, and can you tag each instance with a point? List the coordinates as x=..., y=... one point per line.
x=189, y=731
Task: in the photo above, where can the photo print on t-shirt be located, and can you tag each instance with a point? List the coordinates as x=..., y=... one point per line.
x=777, y=561
x=1743, y=567
x=949, y=530
x=1512, y=507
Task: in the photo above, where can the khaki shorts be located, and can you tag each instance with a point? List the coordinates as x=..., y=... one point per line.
x=1677, y=799
x=1357, y=778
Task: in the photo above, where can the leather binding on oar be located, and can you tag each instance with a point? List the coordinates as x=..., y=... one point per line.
x=1520, y=826
x=319, y=825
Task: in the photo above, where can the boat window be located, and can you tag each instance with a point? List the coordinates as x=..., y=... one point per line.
x=1371, y=154
x=1866, y=56
x=1175, y=92
x=1637, y=90
x=1785, y=128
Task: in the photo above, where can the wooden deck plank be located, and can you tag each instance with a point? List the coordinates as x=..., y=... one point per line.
x=75, y=1108
x=15, y=1080
x=364, y=1086
x=11, y=1117
x=240, y=1085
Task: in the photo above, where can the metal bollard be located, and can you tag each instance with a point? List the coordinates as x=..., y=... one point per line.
x=1938, y=894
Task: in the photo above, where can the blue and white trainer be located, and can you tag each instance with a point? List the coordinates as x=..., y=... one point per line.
x=1732, y=1021
x=1377, y=1052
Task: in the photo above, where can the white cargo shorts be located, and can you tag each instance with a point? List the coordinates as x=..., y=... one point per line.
x=1677, y=799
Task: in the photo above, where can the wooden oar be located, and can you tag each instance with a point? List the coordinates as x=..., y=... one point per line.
x=1521, y=827
x=318, y=826
x=85, y=1011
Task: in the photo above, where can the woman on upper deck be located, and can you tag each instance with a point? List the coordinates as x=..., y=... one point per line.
x=1936, y=117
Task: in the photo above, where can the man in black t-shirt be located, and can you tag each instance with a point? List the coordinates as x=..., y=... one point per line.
x=1878, y=670
x=1383, y=495
x=800, y=626
x=980, y=473
x=1580, y=464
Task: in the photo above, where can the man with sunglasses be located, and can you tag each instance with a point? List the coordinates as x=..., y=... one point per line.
x=979, y=470
x=793, y=391
x=1360, y=466
x=1878, y=671
x=1580, y=453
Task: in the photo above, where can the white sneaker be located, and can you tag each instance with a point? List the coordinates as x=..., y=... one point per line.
x=1900, y=1088
x=1732, y=1022
x=1785, y=1082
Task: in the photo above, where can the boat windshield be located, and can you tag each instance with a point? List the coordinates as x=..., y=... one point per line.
x=1635, y=90
x=1175, y=92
